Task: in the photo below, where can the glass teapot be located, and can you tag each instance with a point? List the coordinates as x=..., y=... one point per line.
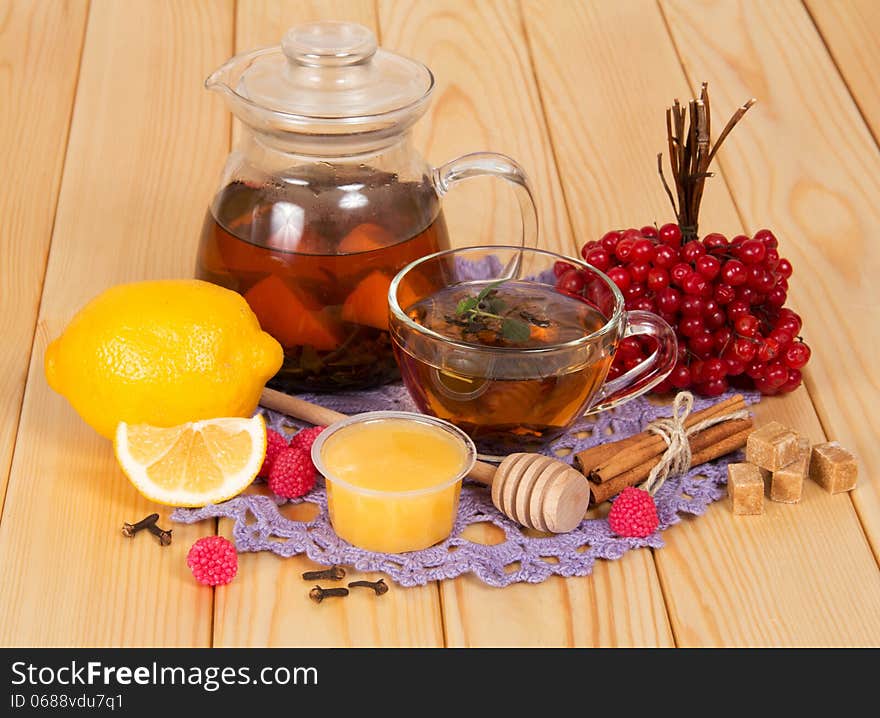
x=325, y=198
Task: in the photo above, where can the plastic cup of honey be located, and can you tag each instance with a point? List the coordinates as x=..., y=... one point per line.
x=393, y=478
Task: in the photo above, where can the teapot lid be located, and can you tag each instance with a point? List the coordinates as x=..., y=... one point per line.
x=328, y=72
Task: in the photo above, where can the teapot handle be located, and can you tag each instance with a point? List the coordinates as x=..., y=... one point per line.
x=478, y=164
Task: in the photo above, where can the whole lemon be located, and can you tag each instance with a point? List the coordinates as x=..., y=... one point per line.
x=162, y=353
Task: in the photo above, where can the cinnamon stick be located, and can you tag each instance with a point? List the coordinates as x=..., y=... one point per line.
x=606, y=461
x=600, y=492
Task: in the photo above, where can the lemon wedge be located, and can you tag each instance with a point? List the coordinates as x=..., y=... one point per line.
x=192, y=464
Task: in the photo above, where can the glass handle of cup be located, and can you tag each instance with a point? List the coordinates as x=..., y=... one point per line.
x=480, y=164
x=646, y=375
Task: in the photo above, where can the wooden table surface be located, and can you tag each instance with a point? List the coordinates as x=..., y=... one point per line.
x=112, y=150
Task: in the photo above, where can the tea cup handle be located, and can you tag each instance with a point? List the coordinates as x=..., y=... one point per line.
x=644, y=376
x=479, y=164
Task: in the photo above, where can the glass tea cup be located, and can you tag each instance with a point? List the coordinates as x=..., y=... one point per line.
x=485, y=341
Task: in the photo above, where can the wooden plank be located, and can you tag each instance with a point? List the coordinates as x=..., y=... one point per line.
x=144, y=153
x=268, y=603
x=850, y=29
x=815, y=181
x=486, y=98
x=607, y=128
x=470, y=46
x=40, y=45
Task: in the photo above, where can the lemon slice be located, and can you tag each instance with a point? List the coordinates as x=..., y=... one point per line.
x=202, y=462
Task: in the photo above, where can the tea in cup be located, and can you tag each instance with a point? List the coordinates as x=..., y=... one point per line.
x=485, y=341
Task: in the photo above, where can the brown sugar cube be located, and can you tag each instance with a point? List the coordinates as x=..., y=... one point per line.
x=772, y=446
x=746, y=489
x=833, y=467
x=787, y=483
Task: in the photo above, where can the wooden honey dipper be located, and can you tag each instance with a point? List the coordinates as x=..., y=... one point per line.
x=536, y=491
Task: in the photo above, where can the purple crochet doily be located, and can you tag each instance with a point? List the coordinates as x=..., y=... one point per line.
x=260, y=526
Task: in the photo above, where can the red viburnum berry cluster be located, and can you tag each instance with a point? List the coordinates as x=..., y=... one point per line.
x=725, y=300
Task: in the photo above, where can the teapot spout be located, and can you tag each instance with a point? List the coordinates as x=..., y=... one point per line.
x=220, y=79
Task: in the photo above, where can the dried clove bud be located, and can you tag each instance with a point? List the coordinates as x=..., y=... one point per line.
x=163, y=535
x=318, y=594
x=334, y=573
x=130, y=530
x=379, y=586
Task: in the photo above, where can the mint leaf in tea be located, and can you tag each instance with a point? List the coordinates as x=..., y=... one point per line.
x=513, y=313
x=510, y=398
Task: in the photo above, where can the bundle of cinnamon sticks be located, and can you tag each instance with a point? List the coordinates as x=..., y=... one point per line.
x=611, y=467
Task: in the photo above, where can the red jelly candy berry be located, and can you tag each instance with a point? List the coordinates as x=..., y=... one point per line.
x=275, y=444
x=633, y=514
x=292, y=474
x=213, y=560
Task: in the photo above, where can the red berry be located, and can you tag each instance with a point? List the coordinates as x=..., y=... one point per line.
x=767, y=237
x=560, y=268
x=708, y=267
x=620, y=277
x=599, y=258
x=702, y=344
x=796, y=355
x=776, y=375
x=691, y=326
x=610, y=239
x=649, y=231
x=657, y=279
x=213, y=560
x=747, y=325
x=670, y=234
x=664, y=256
x=744, y=349
x=680, y=377
x=691, y=306
x=781, y=337
x=633, y=513
x=776, y=297
x=634, y=290
x=735, y=367
x=756, y=368
x=628, y=348
x=624, y=248
x=639, y=271
x=668, y=300
x=293, y=473
x=715, y=320
x=783, y=269
x=714, y=241
x=793, y=381
x=679, y=273
x=306, y=437
x=275, y=444
x=572, y=282
x=715, y=387
x=722, y=338
x=691, y=252
x=642, y=250
x=737, y=309
x=752, y=251
x=694, y=284
x=768, y=349
x=713, y=369
x=733, y=272
x=724, y=294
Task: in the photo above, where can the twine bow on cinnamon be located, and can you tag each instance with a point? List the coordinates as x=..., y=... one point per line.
x=668, y=447
x=677, y=458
